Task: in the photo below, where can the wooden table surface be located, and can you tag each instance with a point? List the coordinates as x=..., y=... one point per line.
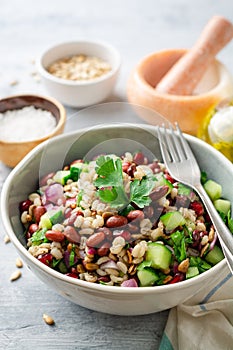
x=136, y=28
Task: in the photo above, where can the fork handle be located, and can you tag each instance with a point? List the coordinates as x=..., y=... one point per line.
x=226, y=237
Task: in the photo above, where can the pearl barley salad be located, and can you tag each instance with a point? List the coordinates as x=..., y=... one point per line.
x=122, y=221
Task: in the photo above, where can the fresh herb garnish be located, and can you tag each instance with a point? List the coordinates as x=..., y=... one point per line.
x=111, y=189
x=38, y=237
x=179, y=246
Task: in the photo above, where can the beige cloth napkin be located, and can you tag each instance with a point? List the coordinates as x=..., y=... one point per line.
x=205, y=321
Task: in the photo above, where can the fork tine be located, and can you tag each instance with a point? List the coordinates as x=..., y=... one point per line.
x=169, y=144
x=178, y=144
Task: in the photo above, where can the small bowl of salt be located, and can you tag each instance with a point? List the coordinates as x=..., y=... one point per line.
x=26, y=121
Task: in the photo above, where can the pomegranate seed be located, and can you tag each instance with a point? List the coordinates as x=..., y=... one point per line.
x=125, y=166
x=197, y=207
x=131, y=170
x=24, y=205
x=45, y=258
x=177, y=278
x=169, y=178
x=72, y=274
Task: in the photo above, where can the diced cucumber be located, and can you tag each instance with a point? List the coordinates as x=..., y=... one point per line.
x=45, y=221
x=147, y=277
x=192, y=272
x=214, y=256
x=162, y=181
x=222, y=205
x=213, y=189
x=62, y=176
x=172, y=219
x=56, y=217
x=159, y=255
x=75, y=171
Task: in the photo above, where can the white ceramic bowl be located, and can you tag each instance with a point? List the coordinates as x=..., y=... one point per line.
x=111, y=138
x=80, y=93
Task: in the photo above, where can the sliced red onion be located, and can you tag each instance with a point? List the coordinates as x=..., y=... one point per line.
x=212, y=244
x=54, y=192
x=129, y=283
x=109, y=265
x=67, y=258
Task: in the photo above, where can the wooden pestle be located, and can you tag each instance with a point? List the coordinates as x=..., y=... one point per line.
x=186, y=73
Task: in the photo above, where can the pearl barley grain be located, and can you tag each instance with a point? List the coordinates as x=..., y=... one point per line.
x=26, y=124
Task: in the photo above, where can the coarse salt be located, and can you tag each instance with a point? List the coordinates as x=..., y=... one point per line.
x=26, y=124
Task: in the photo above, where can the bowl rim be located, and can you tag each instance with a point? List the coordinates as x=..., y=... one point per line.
x=59, y=125
x=140, y=78
x=84, y=284
x=44, y=73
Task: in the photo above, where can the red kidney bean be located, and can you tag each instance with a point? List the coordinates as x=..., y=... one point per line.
x=33, y=228
x=38, y=212
x=71, y=234
x=159, y=192
x=105, y=279
x=139, y=158
x=24, y=205
x=126, y=235
x=95, y=239
x=56, y=236
x=135, y=215
x=73, y=217
x=103, y=250
x=155, y=167
x=76, y=161
x=44, y=179
x=133, y=228
x=148, y=211
x=116, y=221
x=107, y=232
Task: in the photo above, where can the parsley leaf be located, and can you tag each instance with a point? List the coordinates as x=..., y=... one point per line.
x=140, y=190
x=179, y=246
x=110, y=184
x=38, y=237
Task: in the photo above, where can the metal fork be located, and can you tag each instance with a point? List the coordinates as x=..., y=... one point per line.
x=183, y=167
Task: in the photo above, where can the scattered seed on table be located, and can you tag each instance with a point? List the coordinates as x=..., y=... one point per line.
x=14, y=82
x=48, y=319
x=6, y=239
x=15, y=275
x=19, y=263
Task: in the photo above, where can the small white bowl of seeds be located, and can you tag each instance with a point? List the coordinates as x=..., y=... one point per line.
x=81, y=73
